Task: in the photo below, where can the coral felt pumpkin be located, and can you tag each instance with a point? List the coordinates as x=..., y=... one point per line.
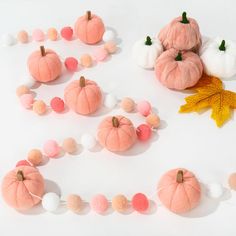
x=89, y=28
x=116, y=133
x=179, y=190
x=18, y=185
x=177, y=70
x=44, y=65
x=83, y=96
x=182, y=33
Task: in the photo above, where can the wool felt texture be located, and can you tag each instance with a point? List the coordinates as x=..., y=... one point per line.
x=74, y=203
x=144, y=108
x=143, y=132
x=153, y=120
x=51, y=148
x=110, y=47
x=67, y=33
x=127, y=104
x=100, y=54
x=23, y=163
x=23, y=89
x=99, y=203
x=38, y=35
x=39, y=107
x=69, y=145
x=120, y=203
x=57, y=104
x=35, y=157
x=52, y=34
x=140, y=202
x=86, y=60
x=23, y=36
x=71, y=64
x=232, y=181
x=27, y=100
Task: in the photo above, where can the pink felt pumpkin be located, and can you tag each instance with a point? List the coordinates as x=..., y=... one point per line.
x=182, y=33
x=20, y=185
x=179, y=190
x=83, y=96
x=89, y=28
x=44, y=65
x=177, y=70
x=116, y=133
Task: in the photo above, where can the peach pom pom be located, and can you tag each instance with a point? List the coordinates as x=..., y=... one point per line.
x=74, y=203
x=110, y=47
x=120, y=203
x=52, y=34
x=39, y=107
x=144, y=108
x=38, y=35
x=57, y=104
x=86, y=60
x=67, y=33
x=51, y=149
x=22, y=90
x=100, y=54
x=127, y=104
x=35, y=157
x=27, y=100
x=153, y=120
x=232, y=181
x=140, y=202
x=69, y=145
x=23, y=36
x=99, y=203
x=143, y=132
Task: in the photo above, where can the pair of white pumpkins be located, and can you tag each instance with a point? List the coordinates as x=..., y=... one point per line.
x=218, y=55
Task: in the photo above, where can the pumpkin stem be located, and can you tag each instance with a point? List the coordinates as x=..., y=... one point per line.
x=180, y=176
x=148, y=41
x=115, y=122
x=179, y=57
x=20, y=175
x=88, y=13
x=82, y=81
x=184, y=18
x=42, y=50
x=222, y=46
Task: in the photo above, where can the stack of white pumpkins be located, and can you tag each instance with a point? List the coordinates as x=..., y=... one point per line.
x=179, y=57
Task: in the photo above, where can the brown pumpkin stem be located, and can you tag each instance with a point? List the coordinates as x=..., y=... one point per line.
x=180, y=176
x=42, y=50
x=20, y=175
x=115, y=122
x=82, y=81
x=88, y=13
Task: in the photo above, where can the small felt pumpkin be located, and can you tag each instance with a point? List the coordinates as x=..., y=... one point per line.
x=89, y=28
x=145, y=52
x=83, y=96
x=116, y=133
x=182, y=33
x=179, y=190
x=219, y=58
x=44, y=65
x=177, y=70
x=20, y=185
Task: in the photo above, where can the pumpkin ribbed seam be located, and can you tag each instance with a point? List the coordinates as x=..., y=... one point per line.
x=189, y=203
x=174, y=192
x=87, y=100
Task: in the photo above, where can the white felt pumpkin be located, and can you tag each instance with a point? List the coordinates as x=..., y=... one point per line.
x=219, y=58
x=145, y=52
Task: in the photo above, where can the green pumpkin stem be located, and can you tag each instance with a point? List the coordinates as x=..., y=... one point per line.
x=180, y=177
x=42, y=50
x=184, y=18
x=115, y=122
x=222, y=46
x=20, y=175
x=88, y=13
x=179, y=57
x=148, y=41
x=82, y=82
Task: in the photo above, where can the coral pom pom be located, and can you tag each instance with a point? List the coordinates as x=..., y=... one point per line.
x=38, y=35
x=120, y=203
x=23, y=163
x=74, y=203
x=99, y=203
x=23, y=36
x=71, y=64
x=143, y=132
x=144, y=108
x=51, y=149
x=27, y=100
x=140, y=202
x=67, y=33
x=57, y=104
x=50, y=202
x=35, y=157
x=52, y=34
x=100, y=54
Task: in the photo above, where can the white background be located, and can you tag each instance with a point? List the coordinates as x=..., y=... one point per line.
x=185, y=140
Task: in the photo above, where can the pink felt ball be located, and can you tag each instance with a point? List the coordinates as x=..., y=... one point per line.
x=71, y=64
x=67, y=33
x=143, y=132
x=27, y=100
x=100, y=54
x=23, y=163
x=51, y=149
x=38, y=35
x=99, y=203
x=140, y=202
x=144, y=108
x=57, y=104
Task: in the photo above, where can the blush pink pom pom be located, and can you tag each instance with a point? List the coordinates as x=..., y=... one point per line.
x=144, y=108
x=51, y=149
x=100, y=54
x=38, y=35
x=27, y=100
x=143, y=132
x=71, y=64
x=99, y=203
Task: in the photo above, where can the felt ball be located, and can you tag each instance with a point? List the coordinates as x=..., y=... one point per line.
x=51, y=148
x=232, y=181
x=143, y=132
x=52, y=34
x=140, y=202
x=120, y=203
x=110, y=101
x=27, y=100
x=8, y=40
x=23, y=36
x=127, y=104
x=23, y=89
x=69, y=145
x=67, y=33
x=110, y=47
x=23, y=163
x=50, y=201
x=57, y=104
x=88, y=141
x=100, y=54
x=74, y=203
x=86, y=60
x=99, y=203
x=108, y=35
x=38, y=35
x=153, y=120
x=39, y=107
x=144, y=108
x=29, y=82
x=215, y=190
x=35, y=157
x=71, y=64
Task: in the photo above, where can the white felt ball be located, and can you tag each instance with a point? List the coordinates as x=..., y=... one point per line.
x=88, y=141
x=8, y=40
x=29, y=82
x=215, y=190
x=108, y=35
x=50, y=201
x=110, y=101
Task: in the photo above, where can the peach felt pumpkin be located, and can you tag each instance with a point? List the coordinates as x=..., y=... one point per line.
x=44, y=65
x=179, y=190
x=177, y=70
x=18, y=185
x=182, y=33
x=83, y=96
x=116, y=133
x=89, y=28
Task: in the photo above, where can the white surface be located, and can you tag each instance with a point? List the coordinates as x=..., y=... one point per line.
x=192, y=141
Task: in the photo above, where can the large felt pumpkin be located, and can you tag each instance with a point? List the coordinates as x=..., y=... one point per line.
x=116, y=133
x=83, y=96
x=179, y=190
x=177, y=70
x=44, y=65
x=89, y=28
x=20, y=185
x=182, y=33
